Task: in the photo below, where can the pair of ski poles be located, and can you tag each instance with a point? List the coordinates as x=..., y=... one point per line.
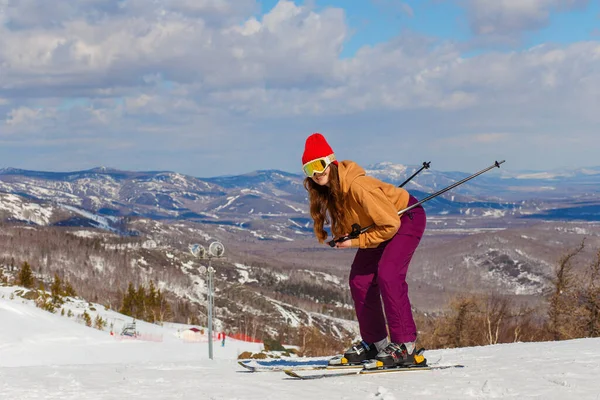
x=357, y=230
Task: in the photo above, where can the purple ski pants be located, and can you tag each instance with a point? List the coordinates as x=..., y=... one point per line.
x=381, y=271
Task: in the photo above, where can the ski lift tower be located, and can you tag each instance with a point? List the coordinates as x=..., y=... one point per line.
x=215, y=250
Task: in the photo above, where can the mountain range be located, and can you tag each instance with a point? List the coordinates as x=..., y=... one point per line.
x=501, y=231
x=279, y=195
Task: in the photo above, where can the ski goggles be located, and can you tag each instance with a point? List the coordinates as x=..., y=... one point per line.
x=318, y=166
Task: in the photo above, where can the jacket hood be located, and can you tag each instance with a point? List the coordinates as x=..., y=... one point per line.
x=348, y=172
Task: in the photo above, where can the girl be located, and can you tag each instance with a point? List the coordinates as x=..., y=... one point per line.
x=340, y=194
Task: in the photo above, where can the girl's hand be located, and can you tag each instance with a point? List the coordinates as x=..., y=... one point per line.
x=346, y=244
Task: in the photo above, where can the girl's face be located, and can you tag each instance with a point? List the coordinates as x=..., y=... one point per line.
x=322, y=178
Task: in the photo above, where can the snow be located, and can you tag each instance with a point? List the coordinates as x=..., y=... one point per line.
x=243, y=271
x=576, y=230
x=324, y=276
x=287, y=239
x=297, y=209
x=494, y=213
x=25, y=211
x=103, y=222
x=142, y=261
x=256, y=234
x=230, y=201
x=48, y=356
x=292, y=318
x=98, y=263
x=149, y=244
x=88, y=234
x=280, y=277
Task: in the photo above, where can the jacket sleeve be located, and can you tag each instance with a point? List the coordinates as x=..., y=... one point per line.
x=381, y=210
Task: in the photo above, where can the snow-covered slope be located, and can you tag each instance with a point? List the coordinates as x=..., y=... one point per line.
x=31, y=337
x=48, y=356
x=18, y=208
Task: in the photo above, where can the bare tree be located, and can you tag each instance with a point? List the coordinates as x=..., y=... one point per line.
x=562, y=302
x=496, y=313
x=590, y=299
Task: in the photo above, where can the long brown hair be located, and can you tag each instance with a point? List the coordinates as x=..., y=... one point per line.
x=327, y=205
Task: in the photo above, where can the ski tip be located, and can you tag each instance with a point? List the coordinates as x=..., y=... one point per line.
x=292, y=374
x=246, y=366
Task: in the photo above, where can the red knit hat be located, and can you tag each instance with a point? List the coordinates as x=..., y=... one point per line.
x=316, y=147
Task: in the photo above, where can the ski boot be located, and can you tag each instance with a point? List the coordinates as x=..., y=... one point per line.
x=396, y=355
x=359, y=352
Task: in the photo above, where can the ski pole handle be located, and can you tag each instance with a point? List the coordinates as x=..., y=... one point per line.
x=356, y=230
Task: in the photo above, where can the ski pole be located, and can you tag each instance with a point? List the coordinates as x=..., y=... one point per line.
x=425, y=166
x=357, y=230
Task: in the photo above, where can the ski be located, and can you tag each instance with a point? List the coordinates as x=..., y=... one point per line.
x=321, y=365
x=363, y=371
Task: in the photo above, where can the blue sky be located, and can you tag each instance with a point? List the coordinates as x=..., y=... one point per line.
x=378, y=21
x=218, y=87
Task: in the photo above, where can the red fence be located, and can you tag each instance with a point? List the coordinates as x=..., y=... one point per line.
x=245, y=338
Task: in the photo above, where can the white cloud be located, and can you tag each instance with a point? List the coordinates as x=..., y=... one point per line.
x=22, y=115
x=286, y=47
x=285, y=63
x=511, y=17
x=199, y=76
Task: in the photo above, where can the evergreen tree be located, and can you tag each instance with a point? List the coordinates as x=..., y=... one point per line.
x=56, y=290
x=25, y=276
x=140, y=304
x=128, y=306
x=86, y=318
x=145, y=304
x=99, y=323
x=69, y=291
x=163, y=306
x=152, y=303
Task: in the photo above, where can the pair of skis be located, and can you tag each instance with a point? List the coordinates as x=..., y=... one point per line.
x=304, y=375
x=320, y=369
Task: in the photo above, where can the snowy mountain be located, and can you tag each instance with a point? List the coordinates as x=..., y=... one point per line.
x=279, y=197
x=18, y=208
x=49, y=356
